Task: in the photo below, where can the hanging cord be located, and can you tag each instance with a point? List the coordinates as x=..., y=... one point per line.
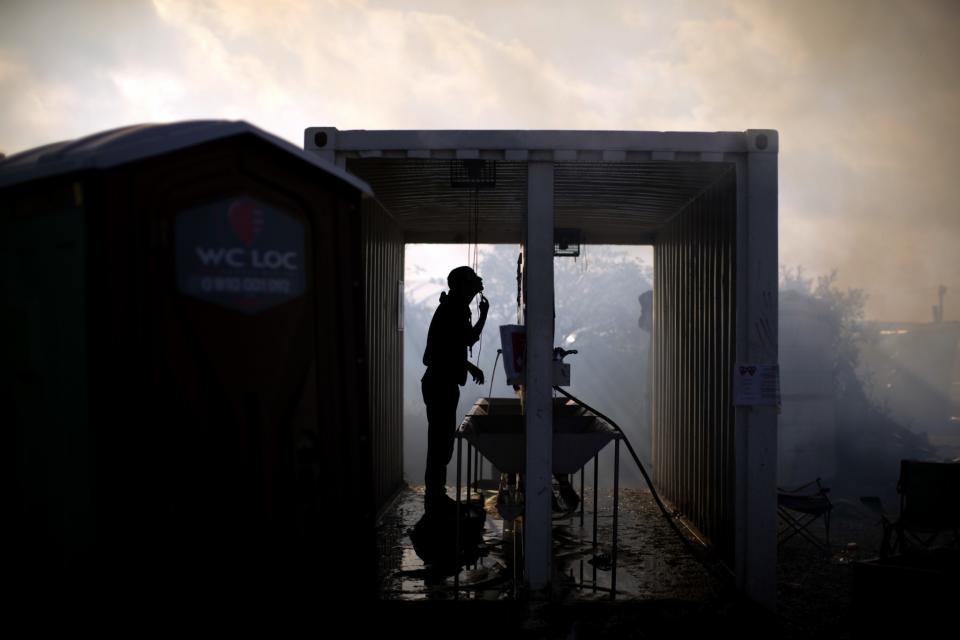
x=469, y=233
x=476, y=229
x=480, y=344
x=519, y=282
x=473, y=230
x=476, y=257
x=701, y=554
x=469, y=237
x=473, y=250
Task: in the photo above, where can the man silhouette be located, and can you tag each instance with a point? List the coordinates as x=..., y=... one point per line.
x=445, y=357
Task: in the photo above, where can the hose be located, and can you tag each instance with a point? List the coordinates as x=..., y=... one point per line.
x=493, y=373
x=700, y=554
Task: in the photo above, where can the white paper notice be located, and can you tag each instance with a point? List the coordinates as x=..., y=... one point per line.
x=513, y=342
x=756, y=384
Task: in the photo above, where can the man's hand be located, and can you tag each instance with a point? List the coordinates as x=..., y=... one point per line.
x=484, y=304
x=476, y=372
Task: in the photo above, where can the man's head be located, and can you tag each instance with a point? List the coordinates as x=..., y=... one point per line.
x=464, y=281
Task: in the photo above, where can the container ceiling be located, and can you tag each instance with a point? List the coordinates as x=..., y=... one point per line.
x=611, y=202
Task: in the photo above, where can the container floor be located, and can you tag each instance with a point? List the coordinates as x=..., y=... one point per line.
x=652, y=564
x=662, y=591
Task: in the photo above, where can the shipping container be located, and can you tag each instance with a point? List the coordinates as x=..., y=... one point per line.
x=707, y=202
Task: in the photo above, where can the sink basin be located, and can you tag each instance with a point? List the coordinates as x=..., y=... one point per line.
x=495, y=426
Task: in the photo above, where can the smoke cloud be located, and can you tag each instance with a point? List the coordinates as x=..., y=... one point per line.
x=864, y=93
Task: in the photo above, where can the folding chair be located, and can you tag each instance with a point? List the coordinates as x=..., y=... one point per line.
x=799, y=508
x=929, y=506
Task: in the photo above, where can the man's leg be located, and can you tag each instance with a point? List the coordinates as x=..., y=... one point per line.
x=441, y=401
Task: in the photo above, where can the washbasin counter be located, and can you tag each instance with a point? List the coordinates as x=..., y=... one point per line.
x=495, y=426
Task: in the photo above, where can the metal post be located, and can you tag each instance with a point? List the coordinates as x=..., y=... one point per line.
x=583, y=507
x=477, y=461
x=469, y=470
x=596, y=494
x=616, y=516
x=583, y=502
x=756, y=426
x=538, y=385
x=456, y=544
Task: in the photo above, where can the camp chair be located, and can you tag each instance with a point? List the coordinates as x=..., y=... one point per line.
x=799, y=508
x=929, y=506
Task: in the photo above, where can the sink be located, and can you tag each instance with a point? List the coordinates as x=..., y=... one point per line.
x=495, y=426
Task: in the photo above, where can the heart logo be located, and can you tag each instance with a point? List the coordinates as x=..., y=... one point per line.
x=246, y=220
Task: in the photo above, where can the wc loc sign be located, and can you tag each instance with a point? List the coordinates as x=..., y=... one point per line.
x=241, y=254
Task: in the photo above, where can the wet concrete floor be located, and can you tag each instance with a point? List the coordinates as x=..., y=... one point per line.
x=662, y=590
x=652, y=563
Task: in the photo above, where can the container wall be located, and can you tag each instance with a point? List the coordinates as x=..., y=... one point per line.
x=383, y=250
x=694, y=315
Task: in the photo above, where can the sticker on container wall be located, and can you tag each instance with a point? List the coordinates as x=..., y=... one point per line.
x=756, y=384
x=241, y=254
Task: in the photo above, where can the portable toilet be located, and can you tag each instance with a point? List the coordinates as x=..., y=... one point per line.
x=185, y=374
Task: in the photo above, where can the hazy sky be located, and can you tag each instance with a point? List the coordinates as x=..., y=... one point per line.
x=865, y=95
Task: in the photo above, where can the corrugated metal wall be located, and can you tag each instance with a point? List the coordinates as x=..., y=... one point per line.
x=694, y=315
x=383, y=272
